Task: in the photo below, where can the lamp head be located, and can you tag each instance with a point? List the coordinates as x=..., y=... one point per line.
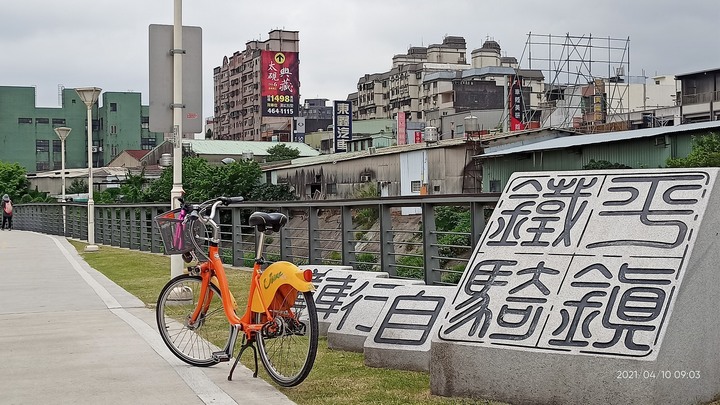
x=88, y=95
x=62, y=132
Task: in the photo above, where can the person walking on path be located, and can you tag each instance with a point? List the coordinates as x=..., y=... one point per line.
x=7, y=212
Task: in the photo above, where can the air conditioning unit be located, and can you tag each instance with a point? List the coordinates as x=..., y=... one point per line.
x=96, y=149
x=365, y=178
x=660, y=141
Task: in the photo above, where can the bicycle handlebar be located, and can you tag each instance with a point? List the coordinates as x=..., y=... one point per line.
x=196, y=210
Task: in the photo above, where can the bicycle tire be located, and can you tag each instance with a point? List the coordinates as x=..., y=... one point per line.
x=289, y=356
x=193, y=344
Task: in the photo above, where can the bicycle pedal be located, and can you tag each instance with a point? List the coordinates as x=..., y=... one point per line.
x=220, y=356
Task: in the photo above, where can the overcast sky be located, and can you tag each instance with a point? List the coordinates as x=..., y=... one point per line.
x=76, y=43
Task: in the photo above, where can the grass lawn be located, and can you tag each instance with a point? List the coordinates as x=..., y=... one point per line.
x=337, y=377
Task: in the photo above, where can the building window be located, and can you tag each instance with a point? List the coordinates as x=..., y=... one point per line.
x=42, y=145
x=415, y=186
x=42, y=166
x=147, y=143
x=113, y=106
x=24, y=120
x=42, y=120
x=332, y=188
x=494, y=186
x=58, y=121
x=113, y=129
x=57, y=147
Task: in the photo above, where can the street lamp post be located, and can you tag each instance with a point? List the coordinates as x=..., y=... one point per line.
x=89, y=96
x=62, y=133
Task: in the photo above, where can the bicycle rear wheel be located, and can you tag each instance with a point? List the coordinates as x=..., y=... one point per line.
x=192, y=343
x=288, y=345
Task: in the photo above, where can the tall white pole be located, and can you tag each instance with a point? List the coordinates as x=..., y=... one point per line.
x=176, y=263
x=62, y=133
x=62, y=176
x=91, y=246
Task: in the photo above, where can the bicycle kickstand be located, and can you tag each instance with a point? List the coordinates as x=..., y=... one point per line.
x=245, y=344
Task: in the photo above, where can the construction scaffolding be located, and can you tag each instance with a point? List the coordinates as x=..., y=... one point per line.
x=586, y=78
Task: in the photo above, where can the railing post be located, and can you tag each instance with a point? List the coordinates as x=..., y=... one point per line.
x=314, y=256
x=285, y=241
x=155, y=243
x=387, y=248
x=237, y=235
x=430, y=245
x=477, y=222
x=348, y=242
x=134, y=229
x=124, y=242
x=143, y=235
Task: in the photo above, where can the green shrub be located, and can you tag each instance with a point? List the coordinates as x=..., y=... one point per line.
x=454, y=276
x=365, y=262
x=411, y=267
x=333, y=257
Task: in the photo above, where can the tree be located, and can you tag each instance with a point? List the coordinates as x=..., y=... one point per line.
x=705, y=153
x=131, y=191
x=604, y=164
x=196, y=180
x=202, y=181
x=13, y=180
x=272, y=192
x=281, y=152
x=77, y=186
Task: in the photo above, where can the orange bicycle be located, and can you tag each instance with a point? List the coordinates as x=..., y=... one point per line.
x=193, y=309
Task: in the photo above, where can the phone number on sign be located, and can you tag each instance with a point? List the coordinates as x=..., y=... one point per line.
x=658, y=374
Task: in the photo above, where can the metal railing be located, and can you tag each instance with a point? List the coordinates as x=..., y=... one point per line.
x=699, y=98
x=367, y=234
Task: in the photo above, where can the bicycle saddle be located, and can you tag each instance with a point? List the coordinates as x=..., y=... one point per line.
x=263, y=220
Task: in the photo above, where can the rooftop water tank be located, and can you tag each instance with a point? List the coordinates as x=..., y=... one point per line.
x=166, y=160
x=431, y=134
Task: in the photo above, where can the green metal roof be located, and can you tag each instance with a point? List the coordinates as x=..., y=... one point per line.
x=220, y=147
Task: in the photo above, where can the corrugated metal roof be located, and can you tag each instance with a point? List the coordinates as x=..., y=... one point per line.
x=696, y=72
x=580, y=140
x=220, y=147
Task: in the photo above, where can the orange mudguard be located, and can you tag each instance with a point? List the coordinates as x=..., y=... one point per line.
x=283, y=276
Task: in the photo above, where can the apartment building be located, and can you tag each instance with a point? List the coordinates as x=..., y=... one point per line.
x=383, y=95
x=257, y=90
x=438, y=81
x=27, y=133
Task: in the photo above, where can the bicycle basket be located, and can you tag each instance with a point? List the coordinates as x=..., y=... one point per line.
x=175, y=234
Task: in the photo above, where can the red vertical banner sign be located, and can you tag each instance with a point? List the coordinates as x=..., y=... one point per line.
x=401, y=128
x=280, y=83
x=516, y=106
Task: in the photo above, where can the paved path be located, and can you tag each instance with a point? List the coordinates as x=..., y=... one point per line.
x=69, y=335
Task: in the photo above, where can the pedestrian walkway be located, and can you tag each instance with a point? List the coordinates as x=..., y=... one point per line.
x=69, y=335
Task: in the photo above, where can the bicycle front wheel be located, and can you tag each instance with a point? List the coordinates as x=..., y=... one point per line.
x=192, y=341
x=288, y=345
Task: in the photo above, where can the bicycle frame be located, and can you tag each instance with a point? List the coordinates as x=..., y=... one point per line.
x=264, y=285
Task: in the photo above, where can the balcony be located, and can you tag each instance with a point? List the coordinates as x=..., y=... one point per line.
x=700, y=98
